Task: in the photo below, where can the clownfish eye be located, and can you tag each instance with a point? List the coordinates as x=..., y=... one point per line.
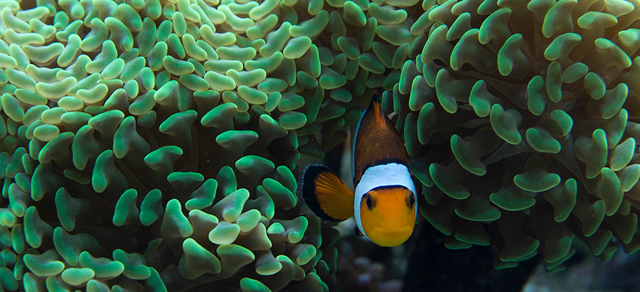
x=409, y=198
x=369, y=201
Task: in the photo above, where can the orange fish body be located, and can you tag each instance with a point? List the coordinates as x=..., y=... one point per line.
x=384, y=200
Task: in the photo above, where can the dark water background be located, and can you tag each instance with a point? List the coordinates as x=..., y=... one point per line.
x=424, y=264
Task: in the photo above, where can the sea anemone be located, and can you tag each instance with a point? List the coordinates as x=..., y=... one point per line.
x=154, y=144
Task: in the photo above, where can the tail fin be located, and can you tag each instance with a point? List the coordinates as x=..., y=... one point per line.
x=326, y=194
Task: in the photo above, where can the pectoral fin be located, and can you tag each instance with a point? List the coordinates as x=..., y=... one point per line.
x=326, y=194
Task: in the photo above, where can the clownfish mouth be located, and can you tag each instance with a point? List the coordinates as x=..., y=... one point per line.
x=386, y=237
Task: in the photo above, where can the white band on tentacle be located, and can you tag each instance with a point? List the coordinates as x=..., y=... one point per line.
x=384, y=175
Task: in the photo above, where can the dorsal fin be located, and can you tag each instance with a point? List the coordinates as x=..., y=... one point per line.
x=375, y=107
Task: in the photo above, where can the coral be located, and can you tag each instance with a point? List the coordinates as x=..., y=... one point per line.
x=152, y=145
x=524, y=135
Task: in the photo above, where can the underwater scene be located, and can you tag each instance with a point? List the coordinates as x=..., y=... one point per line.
x=319, y=145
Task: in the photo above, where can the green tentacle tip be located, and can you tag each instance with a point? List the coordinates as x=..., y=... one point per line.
x=174, y=223
x=44, y=265
x=163, y=158
x=68, y=208
x=629, y=177
x=480, y=99
x=353, y=14
x=230, y=207
x=466, y=156
x=557, y=250
x=553, y=81
x=266, y=264
x=561, y=46
x=197, y=260
x=254, y=166
x=177, y=67
x=536, y=178
x=511, y=60
x=593, y=151
x=296, y=47
x=295, y=228
x=303, y=253
x=290, y=101
x=7, y=218
x=224, y=233
x=55, y=284
x=562, y=123
x=506, y=123
x=613, y=100
x=330, y=79
x=608, y=189
x=184, y=182
x=315, y=25
x=574, y=72
x=151, y=207
x=252, y=95
x=227, y=180
x=236, y=53
x=126, y=210
x=541, y=140
x=616, y=56
x=127, y=141
x=537, y=100
x=178, y=126
x=247, y=221
x=233, y=257
x=287, y=178
x=512, y=199
x=154, y=282
x=594, y=85
x=134, y=267
x=448, y=93
x=251, y=285
x=494, y=27
x=97, y=286
x=35, y=230
x=292, y=120
x=563, y=199
x=12, y=107
x=622, y=154
x=264, y=203
x=77, y=276
x=19, y=200
x=203, y=196
x=106, y=173
x=280, y=194
x=103, y=267
x=478, y=209
x=43, y=54
x=446, y=182
x=236, y=141
x=249, y=78
x=69, y=246
x=596, y=20
x=558, y=18
x=7, y=279
x=473, y=233
x=595, y=217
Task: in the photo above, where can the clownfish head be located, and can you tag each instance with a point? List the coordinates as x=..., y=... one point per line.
x=388, y=215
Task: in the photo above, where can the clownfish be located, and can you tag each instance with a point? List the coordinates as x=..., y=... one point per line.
x=384, y=202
